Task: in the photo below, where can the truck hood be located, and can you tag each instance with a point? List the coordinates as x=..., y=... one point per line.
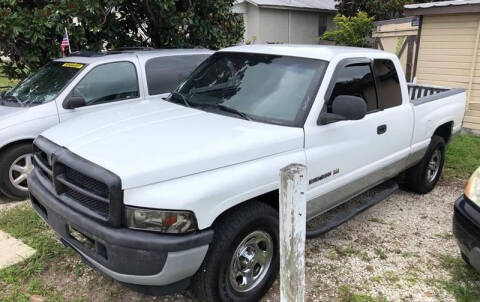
x=153, y=141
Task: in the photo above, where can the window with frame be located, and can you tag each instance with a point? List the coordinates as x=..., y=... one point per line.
x=355, y=80
x=388, y=85
x=107, y=83
x=164, y=74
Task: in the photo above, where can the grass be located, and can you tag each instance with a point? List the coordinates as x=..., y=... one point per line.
x=346, y=294
x=462, y=157
x=4, y=81
x=22, y=280
x=463, y=281
x=381, y=253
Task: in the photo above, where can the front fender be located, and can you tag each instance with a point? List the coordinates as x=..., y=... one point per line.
x=211, y=193
x=28, y=130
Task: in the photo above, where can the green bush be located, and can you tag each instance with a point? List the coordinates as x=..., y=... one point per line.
x=351, y=31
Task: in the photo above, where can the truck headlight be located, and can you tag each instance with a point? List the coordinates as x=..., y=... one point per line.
x=173, y=222
x=472, y=191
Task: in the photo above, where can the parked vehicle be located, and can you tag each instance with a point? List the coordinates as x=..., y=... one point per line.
x=83, y=82
x=186, y=190
x=466, y=222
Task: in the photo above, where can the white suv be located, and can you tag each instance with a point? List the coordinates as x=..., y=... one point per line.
x=80, y=83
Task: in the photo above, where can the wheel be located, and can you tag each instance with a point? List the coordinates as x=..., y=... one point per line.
x=423, y=177
x=243, y=260
x=15, y=165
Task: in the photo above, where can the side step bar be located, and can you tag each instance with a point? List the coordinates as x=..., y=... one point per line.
x=387, y=189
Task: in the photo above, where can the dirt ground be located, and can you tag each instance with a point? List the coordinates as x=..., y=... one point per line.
x=394, y=251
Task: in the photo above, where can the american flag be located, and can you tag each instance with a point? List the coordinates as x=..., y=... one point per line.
x=65, y=43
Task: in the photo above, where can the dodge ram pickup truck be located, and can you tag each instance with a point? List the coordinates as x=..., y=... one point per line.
x=77, y=84
x=163, y=195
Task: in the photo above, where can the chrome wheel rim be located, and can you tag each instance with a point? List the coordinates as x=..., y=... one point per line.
x=251, y=261
x=434, y=165
x=19, y=170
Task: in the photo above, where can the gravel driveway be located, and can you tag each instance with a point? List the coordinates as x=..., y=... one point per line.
x=399, y=250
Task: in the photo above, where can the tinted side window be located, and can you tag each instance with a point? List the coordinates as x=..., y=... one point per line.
x=108, y=83
x=164, y=74
x=389, y=92
x=356, y=80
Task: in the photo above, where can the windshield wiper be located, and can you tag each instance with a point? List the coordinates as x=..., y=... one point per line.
x=229, y=110
x=182, y=97
x=12, y=97
x=222, y=86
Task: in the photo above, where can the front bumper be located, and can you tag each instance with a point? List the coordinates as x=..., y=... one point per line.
x=466, y=229
x=129, y=256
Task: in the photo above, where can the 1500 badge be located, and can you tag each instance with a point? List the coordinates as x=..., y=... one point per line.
x=323, y=176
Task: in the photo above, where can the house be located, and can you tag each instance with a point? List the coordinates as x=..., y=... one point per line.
x=285, y=21
x=448, y=49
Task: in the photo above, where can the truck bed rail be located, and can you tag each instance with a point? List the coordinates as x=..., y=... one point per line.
x=420, y=94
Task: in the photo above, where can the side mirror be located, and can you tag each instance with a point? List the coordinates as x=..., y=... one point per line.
x=345, y=108
x=74, y=102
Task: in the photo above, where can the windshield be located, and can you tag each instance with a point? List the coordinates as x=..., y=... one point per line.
x=265, y=88
x=44, y=85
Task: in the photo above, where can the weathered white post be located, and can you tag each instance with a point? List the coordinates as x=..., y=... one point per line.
x=293, y=208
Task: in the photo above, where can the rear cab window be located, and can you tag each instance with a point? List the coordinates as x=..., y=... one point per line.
x=388, y=86
x=164, y=74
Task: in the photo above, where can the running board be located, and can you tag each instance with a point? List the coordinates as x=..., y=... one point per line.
x=387, y=189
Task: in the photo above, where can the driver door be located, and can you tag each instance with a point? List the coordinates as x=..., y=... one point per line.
x=104, y=85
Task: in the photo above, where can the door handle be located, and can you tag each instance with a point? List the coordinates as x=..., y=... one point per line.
x=381, y=129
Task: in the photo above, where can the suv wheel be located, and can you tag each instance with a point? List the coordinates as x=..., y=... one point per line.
x=423, y=177
x=243, y=260
x=15, y=165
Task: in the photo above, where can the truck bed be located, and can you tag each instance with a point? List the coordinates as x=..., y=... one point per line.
x=420, y=94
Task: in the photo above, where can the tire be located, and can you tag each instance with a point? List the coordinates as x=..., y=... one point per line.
x=16, y=154
x=213, y=282
x=465, y=258
x=421, y=178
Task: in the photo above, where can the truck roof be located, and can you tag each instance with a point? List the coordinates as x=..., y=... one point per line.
x=92, y=57
x=321, y=52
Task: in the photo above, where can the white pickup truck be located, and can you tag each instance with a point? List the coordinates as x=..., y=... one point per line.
x=185, y=191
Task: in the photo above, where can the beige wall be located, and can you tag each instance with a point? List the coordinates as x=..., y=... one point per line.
x=273, y=26
x=252, y=27
x=304, y=27
x=449, y=56
x=280, y=25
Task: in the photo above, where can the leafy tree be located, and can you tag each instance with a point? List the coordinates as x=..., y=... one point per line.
x=351, y=31
x=31, y=30
x=173, y=23
x=379, y=9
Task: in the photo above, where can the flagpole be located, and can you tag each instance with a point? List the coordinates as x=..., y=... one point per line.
x=69, y=49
